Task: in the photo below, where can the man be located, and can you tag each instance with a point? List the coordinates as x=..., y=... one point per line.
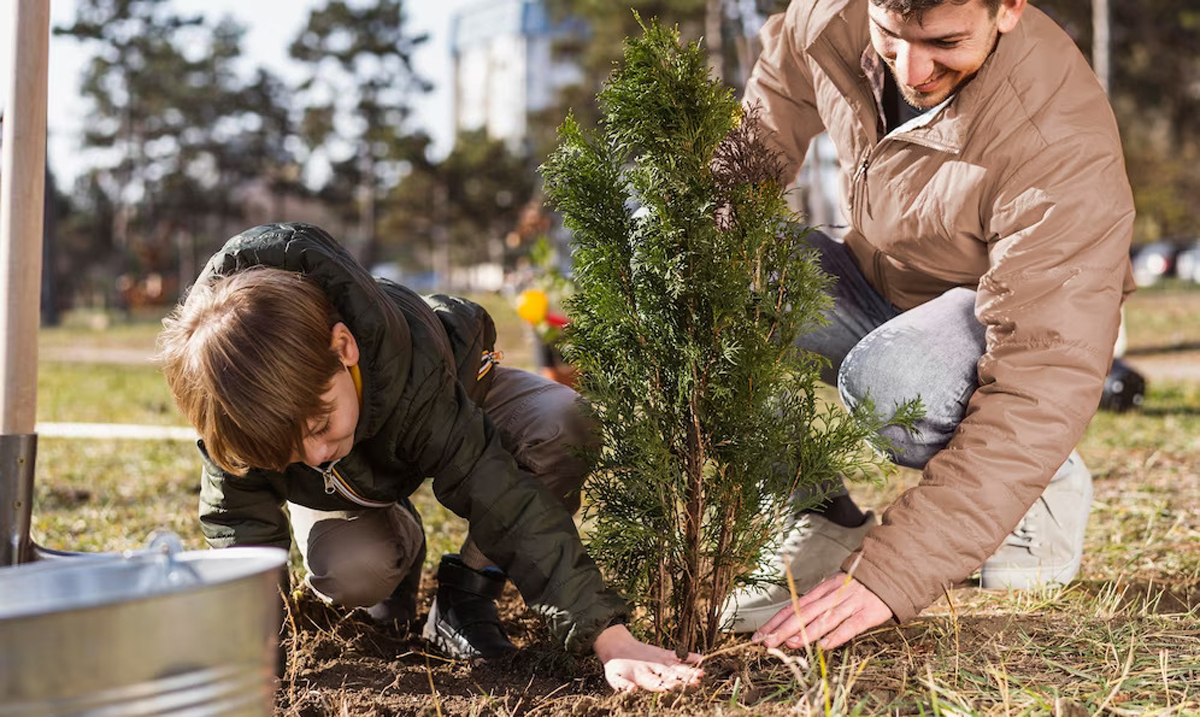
x=983, y=270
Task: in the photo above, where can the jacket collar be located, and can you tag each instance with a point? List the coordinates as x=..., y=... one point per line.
x=824, y=13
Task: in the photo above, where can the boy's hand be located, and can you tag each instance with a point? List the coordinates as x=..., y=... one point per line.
x=836, y=610
x=630, y=664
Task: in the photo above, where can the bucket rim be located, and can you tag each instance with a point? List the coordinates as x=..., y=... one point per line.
x=257, y=561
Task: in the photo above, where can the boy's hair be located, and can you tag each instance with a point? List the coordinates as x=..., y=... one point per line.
x=247, y=358
x=910, y=9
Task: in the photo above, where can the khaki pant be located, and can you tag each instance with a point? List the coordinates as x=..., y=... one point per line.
x=357, y=558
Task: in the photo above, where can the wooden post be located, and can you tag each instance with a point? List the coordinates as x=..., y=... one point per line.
x=22, y=193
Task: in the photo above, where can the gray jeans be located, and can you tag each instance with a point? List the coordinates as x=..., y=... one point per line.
x=875, y=350
x=357, y=558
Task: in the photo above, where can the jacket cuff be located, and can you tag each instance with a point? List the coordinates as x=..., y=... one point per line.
x=583, y=633
x=877, y=580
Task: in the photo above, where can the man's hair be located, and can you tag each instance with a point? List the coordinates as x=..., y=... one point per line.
x=247, y=358
x=909, y=9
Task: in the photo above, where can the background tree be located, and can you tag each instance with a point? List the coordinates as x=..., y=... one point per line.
x=463, y=206
x=133, y=84
x=692, y=285
x=1155, y=91
x=358, y=92
x=176, y=131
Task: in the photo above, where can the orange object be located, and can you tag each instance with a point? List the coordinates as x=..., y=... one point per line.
x=532, y=305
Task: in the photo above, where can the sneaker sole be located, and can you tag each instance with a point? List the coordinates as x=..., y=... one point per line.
x=448, y=643
x=751, y=618
x=1028, y=578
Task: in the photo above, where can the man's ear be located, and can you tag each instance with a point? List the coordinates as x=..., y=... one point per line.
x=344, y=344
x=1008, y=14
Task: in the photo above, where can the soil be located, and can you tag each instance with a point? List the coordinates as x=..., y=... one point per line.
x=342, y=663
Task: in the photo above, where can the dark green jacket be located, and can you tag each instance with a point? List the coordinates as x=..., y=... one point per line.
x=419, y=361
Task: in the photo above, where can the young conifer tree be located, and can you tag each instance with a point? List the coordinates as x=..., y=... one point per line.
x=692, y=285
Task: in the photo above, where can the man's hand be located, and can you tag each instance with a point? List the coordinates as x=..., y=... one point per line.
x=836, y=610
x=630, y=664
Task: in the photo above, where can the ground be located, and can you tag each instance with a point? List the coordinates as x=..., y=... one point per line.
x=1057, y=652
x=1123, y=639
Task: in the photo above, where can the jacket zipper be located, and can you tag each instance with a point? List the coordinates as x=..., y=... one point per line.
x=859, y=181
x=334, y=483
x=858, y=186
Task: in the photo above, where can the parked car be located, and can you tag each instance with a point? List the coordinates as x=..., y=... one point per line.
x=1187, y=262
x=1154, y=262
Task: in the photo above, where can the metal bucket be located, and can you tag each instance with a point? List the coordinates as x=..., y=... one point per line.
x=155, y=632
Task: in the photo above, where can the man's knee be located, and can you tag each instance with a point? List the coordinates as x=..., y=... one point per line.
x=928, y=353
x=873, y=373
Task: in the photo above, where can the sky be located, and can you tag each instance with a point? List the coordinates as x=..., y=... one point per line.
x=271, y=24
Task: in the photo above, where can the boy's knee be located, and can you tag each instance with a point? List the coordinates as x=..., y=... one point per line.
x=355, y=578
x=358, y=563
x=565, y=429
x=557, y=445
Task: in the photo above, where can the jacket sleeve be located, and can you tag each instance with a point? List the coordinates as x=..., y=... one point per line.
x=1050, y=301
x=781, y=85
x=514, y=520
x=241, y=510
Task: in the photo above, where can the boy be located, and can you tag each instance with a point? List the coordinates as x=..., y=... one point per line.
x=314, y=384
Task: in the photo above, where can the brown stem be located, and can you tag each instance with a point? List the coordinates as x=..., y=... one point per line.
x=722, y=575
x=693, y=517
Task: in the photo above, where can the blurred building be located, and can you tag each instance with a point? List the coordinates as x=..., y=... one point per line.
x=510, y=60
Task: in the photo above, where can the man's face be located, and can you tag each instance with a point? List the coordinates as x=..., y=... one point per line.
x=934, y=55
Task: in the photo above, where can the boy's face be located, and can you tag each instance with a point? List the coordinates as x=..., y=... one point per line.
x=329, y=438
x=933, y=55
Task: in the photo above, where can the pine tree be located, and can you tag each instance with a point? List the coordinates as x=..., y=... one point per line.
x=692, y=285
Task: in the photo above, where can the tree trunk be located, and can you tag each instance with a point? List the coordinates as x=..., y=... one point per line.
x=712, y=38
x=1101, y=43
x=693, y=531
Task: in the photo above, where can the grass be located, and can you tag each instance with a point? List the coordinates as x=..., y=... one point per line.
x=1124, y=639
x=94, y=495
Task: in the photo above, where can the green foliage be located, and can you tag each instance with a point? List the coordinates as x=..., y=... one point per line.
x=182, y=134
x=460, y=208
x=692, y=285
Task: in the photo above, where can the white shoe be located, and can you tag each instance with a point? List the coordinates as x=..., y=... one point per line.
x=1046, y=547
x=814, y=547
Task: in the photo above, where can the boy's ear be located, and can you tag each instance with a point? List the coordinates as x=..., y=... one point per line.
x=343, y=343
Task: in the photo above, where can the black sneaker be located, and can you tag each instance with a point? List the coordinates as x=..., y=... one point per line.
x=463, y=621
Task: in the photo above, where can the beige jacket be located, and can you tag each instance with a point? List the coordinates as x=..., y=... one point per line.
x=1016, y=187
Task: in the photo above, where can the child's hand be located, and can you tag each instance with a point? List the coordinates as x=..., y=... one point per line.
x=630, y=664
